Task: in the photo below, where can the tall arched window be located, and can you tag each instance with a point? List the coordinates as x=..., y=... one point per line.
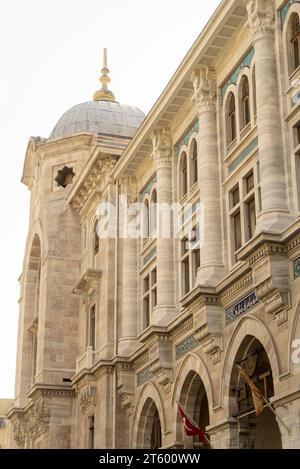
x=183, y=175
x=231, y=117
x=96, y=239
x=153, y=215
x=145, y=219
x=295, y=39
x=194, y=162
x=245, y=101
x=254, y=91
x=31, y=312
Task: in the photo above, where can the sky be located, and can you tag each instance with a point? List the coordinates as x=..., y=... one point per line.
x=50, y=60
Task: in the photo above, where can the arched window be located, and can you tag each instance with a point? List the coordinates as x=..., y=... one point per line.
x=194, y=163
x=295, y=39
x=145, y=219
x=183, y=175
x=96, y=239
x=231, y=117
x=153, y=215
x=245, y=101
x=254, y=91
x=32, y=305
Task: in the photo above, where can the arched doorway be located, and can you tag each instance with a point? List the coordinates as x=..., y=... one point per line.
x=149, y=435
x=256, y=432
x=193, y=398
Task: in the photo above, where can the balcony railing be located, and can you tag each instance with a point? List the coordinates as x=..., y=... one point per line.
x=86, y=361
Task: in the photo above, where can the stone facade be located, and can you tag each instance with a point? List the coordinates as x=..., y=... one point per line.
x=5, y=425
x=115, y=330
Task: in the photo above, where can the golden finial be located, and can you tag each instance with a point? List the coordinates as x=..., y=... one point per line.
x=104, y=94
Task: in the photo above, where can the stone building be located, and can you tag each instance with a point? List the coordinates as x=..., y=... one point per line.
x=5, y=425
x=115, y=330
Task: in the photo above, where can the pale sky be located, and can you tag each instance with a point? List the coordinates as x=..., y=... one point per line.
x=50, y=60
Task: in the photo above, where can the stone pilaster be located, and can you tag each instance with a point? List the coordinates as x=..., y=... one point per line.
x=261, y=19
x=128, y=336
x=211, y=268
x=162, y=154
x=288, y=418
x=224, y=434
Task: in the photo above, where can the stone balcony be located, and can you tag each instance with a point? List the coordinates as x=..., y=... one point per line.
x=87, y=360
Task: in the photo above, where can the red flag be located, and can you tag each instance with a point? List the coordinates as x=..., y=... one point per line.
x=191, y=429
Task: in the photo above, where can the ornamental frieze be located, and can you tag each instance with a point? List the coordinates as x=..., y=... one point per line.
x=242, y=307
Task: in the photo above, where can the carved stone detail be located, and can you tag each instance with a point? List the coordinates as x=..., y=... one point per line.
x=19, y=425
x=208, y=325
x=276, y=302
x=27, y=426
x=88, y=398
x=261, y=18
x=128, y=189
x=125, y=386
x=205, y=90
x=162, y=146
x=163, y=376
x=270, y=267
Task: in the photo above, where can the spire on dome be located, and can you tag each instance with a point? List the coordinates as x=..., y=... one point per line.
x=104, y=94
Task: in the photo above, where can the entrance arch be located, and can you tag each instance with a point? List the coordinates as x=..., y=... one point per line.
x=194, y=399
x=149, y=434
x=255, y=432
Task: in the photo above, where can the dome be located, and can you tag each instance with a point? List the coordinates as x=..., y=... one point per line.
x=103, y=117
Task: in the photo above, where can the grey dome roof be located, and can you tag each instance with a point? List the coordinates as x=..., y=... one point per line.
x=104, y=117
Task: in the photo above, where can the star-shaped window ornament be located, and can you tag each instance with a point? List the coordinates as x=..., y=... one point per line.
x=64, y=176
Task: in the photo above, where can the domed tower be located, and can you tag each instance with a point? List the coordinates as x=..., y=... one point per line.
x=68, y=174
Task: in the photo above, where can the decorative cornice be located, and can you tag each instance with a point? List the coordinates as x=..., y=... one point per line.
x=94, y=182
x=236, y=288
x=184, y=328
x=261, y=18
x=205, y=91
x=294, y=245
x=267, y=249
x=162, y=146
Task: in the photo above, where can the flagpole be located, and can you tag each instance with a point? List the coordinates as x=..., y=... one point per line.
x=193, y=422
x=265, y=400
x=246, y=414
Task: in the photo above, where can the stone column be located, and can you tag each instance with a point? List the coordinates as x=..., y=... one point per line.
x=211, y=249
x=162, y=154
x=275, y=214
x=127, y=341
